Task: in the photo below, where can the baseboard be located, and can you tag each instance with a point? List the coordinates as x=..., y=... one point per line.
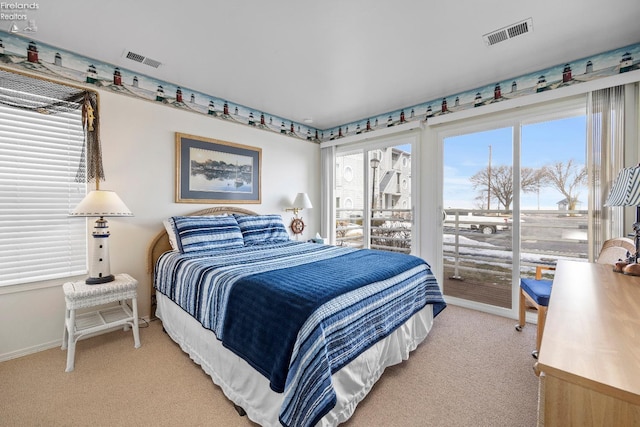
x=531, y=317
x=44, y=346
x=30, y=350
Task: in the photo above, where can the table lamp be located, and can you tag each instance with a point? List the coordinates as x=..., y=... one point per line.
x=626, y=192
x=301, y=202
x=100, y=203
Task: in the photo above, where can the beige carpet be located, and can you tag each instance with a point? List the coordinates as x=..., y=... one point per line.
x=474, y=369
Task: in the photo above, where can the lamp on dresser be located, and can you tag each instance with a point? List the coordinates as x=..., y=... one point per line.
x=101, y=204
x=626, y=192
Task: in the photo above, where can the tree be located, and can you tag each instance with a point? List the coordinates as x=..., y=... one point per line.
x=481, y=200
x=500, y=183
x=566, y=178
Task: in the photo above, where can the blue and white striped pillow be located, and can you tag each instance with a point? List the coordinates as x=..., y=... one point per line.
x=202, y=233
x=258, y=229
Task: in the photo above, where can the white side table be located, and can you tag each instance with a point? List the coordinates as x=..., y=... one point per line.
x=80, y=295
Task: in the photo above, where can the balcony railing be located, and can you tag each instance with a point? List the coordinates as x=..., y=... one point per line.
x=390, y=229
x=478, y=248
x=477, y=243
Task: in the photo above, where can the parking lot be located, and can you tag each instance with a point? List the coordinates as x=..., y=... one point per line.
x=553, y=233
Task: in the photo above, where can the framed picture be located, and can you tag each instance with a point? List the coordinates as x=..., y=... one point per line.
x=213, y=171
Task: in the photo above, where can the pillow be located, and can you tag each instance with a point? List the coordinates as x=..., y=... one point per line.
x=258, y=229
x=202, y=233
x=171, y=232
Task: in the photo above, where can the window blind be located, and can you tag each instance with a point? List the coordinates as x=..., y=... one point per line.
x=39, y=158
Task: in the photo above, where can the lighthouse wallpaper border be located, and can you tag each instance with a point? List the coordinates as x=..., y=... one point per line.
x=36, y=57
x=40, y=58
x=214, y=171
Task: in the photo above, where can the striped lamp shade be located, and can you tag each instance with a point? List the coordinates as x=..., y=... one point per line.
x=626, y=188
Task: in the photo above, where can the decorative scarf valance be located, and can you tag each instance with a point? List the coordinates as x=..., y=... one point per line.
x=47, y=97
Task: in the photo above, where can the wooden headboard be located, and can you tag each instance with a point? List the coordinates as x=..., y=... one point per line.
x=160, y=244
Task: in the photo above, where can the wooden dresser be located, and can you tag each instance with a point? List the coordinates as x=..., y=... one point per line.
x=589, y=360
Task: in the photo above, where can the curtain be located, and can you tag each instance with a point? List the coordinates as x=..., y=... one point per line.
x=605, y=156
x=327, y=182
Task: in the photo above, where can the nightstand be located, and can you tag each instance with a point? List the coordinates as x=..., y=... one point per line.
x=80, y=295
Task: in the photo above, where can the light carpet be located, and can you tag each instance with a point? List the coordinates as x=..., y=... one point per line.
x=473, y=369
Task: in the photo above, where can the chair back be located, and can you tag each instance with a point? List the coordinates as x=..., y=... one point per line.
x=615, y=249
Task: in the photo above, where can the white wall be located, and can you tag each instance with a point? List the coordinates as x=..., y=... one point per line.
x=138, y=142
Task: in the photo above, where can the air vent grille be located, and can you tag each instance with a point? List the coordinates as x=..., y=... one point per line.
x=141, y=59
x=135, y=57
x=151, y=62
x=518, y=29
x=509, y=32
x=498, y=37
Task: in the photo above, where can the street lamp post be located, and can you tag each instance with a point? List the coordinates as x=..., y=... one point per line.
x=374, y=162
x=489, y=182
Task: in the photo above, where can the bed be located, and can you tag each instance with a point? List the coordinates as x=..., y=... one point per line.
x=294, y=333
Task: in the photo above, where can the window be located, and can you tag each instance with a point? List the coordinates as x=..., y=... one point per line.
x=39, y=159
x=377, y=210
x=348, y=174
x=348, y=203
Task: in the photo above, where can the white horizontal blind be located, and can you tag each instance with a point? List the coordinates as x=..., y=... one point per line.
x=39, y=158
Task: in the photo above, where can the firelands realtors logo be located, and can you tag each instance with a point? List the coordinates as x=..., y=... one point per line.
x=16, y=12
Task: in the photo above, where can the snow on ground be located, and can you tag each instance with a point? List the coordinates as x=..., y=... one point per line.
x=486, y=250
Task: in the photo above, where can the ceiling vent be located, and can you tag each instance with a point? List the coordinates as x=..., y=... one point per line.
x=141, y=59
x=509, y=32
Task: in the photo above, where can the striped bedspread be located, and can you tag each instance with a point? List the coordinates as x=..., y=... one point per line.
x=297, y=312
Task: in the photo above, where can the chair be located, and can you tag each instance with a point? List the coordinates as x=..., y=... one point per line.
x=537, y=291
x=614, y=250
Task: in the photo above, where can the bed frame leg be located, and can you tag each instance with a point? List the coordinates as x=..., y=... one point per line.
x=239, y=410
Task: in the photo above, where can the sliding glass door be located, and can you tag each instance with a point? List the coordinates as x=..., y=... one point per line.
x=553, y=193
x=478, y=214
x=373, y=203
x=350, y=201
x=514, y=197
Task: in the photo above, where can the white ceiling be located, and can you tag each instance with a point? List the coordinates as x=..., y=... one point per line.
x=334, y=61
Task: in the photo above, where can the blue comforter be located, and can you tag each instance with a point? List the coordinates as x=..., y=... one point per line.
x=298, y=312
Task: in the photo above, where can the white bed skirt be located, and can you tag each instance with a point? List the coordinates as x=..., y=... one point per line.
x=247, y=388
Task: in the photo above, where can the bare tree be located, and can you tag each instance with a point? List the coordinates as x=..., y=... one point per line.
x=481, y=200
x=499, y=180
x=566, y=178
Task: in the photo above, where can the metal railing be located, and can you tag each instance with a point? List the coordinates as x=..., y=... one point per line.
x=470, y=249
x=390, y=229
x=472, y=253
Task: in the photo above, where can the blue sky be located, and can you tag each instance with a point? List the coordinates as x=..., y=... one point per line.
x=542, y=143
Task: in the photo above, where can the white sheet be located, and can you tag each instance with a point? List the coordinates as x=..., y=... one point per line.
x=249, y=389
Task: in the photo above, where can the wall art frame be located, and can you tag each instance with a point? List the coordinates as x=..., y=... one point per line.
x=214, y=171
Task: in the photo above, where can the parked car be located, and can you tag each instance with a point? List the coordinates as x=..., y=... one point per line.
x=487, y=224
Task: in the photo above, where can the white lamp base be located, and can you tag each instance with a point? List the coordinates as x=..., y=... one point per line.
x=98, y=280
x=99, y=266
